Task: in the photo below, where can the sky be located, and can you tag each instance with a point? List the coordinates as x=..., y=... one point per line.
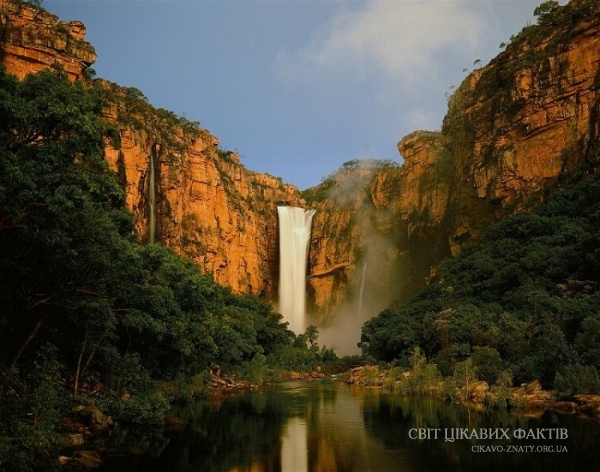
x=298, y=87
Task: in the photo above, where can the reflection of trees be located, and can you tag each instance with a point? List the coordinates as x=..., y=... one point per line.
x=354, y=430
x=389, y=418
x=237, y=433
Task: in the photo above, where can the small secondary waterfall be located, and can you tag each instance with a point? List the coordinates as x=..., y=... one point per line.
x=362, y=288
x=152, y=200
x=294, y=238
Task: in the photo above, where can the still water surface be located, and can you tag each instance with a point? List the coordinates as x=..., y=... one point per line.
x=329, y=426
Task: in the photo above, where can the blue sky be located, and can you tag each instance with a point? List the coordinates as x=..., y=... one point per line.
x=298, y=87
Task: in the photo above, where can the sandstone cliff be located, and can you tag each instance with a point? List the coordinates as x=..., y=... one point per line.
x=515, y=126
x=515, y=129
x=190, y=195
x=357, y=241
x=183, y=190
x=33, y=39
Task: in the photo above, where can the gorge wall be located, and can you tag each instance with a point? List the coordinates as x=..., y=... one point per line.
x=514, y=128
x=207, y=205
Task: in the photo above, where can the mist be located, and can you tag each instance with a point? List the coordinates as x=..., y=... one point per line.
x=374, y=280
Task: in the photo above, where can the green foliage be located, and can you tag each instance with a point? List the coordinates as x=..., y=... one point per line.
x=524, y=299
x=577, y=378
x=303, y=354
x=318, y=193
x=544, y=11
x=144, y=409
x=424, y=377
x=488, y=363
x=31, y=406
x=83, y=305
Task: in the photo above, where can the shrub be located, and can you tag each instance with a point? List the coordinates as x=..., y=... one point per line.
x=574, y=379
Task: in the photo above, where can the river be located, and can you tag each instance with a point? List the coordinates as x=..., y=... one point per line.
x=330, y=426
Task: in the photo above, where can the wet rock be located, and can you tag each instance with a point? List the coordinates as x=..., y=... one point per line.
x=588, y=404
x=565, y=407
x=73, y=439
x=532, y=387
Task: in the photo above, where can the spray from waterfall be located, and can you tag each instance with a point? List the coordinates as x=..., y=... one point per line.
x=294, y=238
x=152, y=200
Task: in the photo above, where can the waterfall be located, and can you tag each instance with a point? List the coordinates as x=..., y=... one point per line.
x=361, y=289
x=294, y=238
x=152, y=200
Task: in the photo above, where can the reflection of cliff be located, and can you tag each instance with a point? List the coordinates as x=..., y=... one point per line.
x=338, y=439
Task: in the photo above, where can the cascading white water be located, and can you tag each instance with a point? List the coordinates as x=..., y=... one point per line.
x=151, y=200
x=294, y=239
x=362, y=288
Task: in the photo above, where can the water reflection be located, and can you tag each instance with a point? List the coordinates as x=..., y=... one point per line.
x=294, y=450
x=314, y=426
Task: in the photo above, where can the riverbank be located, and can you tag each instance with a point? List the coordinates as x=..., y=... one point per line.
x=527, y=398
x=88, y=434
x=87, y=446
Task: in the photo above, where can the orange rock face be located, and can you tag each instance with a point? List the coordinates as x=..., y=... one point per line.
x=355, y=241
x=544, y=111
x=424, y=181
x=512, y=128
x=207, y=206
x=34, y=40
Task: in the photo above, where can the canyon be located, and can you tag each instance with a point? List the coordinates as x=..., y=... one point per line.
x=515, y=129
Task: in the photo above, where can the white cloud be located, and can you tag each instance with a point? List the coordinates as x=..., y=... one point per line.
x=396, y=39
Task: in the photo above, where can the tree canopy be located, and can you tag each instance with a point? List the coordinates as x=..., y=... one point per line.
x=528, y=293
x=84, y=306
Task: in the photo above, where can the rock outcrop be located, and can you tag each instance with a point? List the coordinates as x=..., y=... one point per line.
x=33, y=39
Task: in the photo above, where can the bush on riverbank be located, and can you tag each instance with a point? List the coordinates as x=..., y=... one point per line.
x=465, y=386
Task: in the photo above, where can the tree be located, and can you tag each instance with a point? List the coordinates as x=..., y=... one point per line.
x=312, y=334
x=62, y=214
x=544, y=12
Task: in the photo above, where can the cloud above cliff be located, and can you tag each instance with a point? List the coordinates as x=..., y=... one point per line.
x=298, y=87
x=385, y=62
x=402, y=41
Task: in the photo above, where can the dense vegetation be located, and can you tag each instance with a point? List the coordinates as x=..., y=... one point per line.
x=88, y=315
x=523, y=303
